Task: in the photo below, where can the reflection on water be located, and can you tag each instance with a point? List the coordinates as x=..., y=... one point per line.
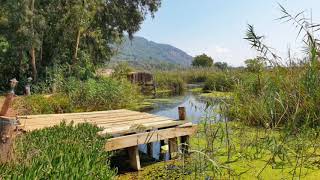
x=197, y=109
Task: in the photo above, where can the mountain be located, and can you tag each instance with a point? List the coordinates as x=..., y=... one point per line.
x=142, y=50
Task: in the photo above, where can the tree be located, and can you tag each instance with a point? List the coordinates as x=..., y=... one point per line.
x=255, y=65
x=46, y=34
x=202, y=61
x=221, y=65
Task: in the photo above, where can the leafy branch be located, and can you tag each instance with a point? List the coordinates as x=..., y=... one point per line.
x=256, y=42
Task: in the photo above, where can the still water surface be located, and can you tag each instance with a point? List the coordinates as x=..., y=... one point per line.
x=197, y=110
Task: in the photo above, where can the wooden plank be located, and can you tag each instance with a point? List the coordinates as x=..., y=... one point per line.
x=148, y=126
x=114, y=129
x=122, y=118
x=147, y=137
x=173, y=147
x=73, y=114
x=105, y=124
x=75, y=117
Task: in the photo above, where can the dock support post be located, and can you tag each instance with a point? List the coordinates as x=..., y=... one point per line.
x=134, y=157
x=184, y=140
x=150, y=149
x=173, y=147
x=162, y=152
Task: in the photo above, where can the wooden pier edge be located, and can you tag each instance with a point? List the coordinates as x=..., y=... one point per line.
x=148, y=137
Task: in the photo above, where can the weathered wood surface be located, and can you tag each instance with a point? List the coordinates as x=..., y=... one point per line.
x=113, y=122
x=147, y=137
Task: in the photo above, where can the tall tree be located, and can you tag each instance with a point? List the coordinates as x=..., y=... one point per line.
x=63, y=33
x=202, y=61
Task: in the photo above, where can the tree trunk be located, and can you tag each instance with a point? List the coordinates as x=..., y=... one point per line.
x=75, y=56
x=33, y=64
x=18, y=70
x=33, y=51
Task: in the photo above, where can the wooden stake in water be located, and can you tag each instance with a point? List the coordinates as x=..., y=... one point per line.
x=184, y=140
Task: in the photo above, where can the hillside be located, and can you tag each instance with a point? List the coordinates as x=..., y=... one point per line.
x=142, y=50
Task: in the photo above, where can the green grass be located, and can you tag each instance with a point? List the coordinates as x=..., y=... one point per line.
x=250, y=150
x=249, y=155
x=60, y=152
x=79, y=96
x=216, y=94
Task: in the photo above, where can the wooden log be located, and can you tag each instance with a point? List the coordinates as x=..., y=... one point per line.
x=7, y=103
x=173, y=147
x=184, y=140
x=134, y=157
x=147, y=137
x=182, y=113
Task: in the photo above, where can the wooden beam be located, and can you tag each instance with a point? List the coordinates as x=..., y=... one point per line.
x=134, y=157
x=147, y=137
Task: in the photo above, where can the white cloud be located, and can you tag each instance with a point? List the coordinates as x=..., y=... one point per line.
x=221, y=50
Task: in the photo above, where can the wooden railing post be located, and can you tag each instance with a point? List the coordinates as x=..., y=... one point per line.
x=9, y=98
x=184, y=140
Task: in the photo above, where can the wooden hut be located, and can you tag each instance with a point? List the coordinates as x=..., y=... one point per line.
x=143, y=79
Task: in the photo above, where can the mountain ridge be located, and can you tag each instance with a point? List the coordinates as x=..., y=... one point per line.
x=141, y=49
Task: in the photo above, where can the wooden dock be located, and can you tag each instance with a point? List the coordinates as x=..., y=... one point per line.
x=127, y=128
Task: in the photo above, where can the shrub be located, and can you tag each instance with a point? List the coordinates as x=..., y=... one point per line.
x=75, y=96
x=287, y=96
x=60, y=152
x=170, y=82
x=219, y=82
x=102, y=94
x=39, y=104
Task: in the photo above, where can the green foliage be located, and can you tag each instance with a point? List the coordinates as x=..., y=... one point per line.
x=39, y=104
x=255, y=65
x=60, y=152
x=219, y=82
x=76, y=35
x=75, y=96
x=121, y=71
x=202, y=61
x=101, y=94
x=221, y=65
x=173, y=83
x=286, y=96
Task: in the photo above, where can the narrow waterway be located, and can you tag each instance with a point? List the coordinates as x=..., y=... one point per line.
x=197, y=109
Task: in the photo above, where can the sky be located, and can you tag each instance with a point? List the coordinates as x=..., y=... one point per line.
x=217, y=27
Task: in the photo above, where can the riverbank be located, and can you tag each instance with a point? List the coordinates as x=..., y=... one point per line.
x=246, y=159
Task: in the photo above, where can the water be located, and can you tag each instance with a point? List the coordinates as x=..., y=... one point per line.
x=197, y=110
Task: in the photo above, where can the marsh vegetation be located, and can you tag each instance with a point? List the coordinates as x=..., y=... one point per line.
x=254, y=122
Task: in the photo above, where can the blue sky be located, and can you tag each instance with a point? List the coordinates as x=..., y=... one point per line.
x=217, y=27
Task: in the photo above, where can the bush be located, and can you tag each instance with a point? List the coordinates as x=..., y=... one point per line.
x=101, y=94
x=76, y=96
x=286, y=97
x=219, y=82
x=60, y=152
x=39, y=104
x=171, y=82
